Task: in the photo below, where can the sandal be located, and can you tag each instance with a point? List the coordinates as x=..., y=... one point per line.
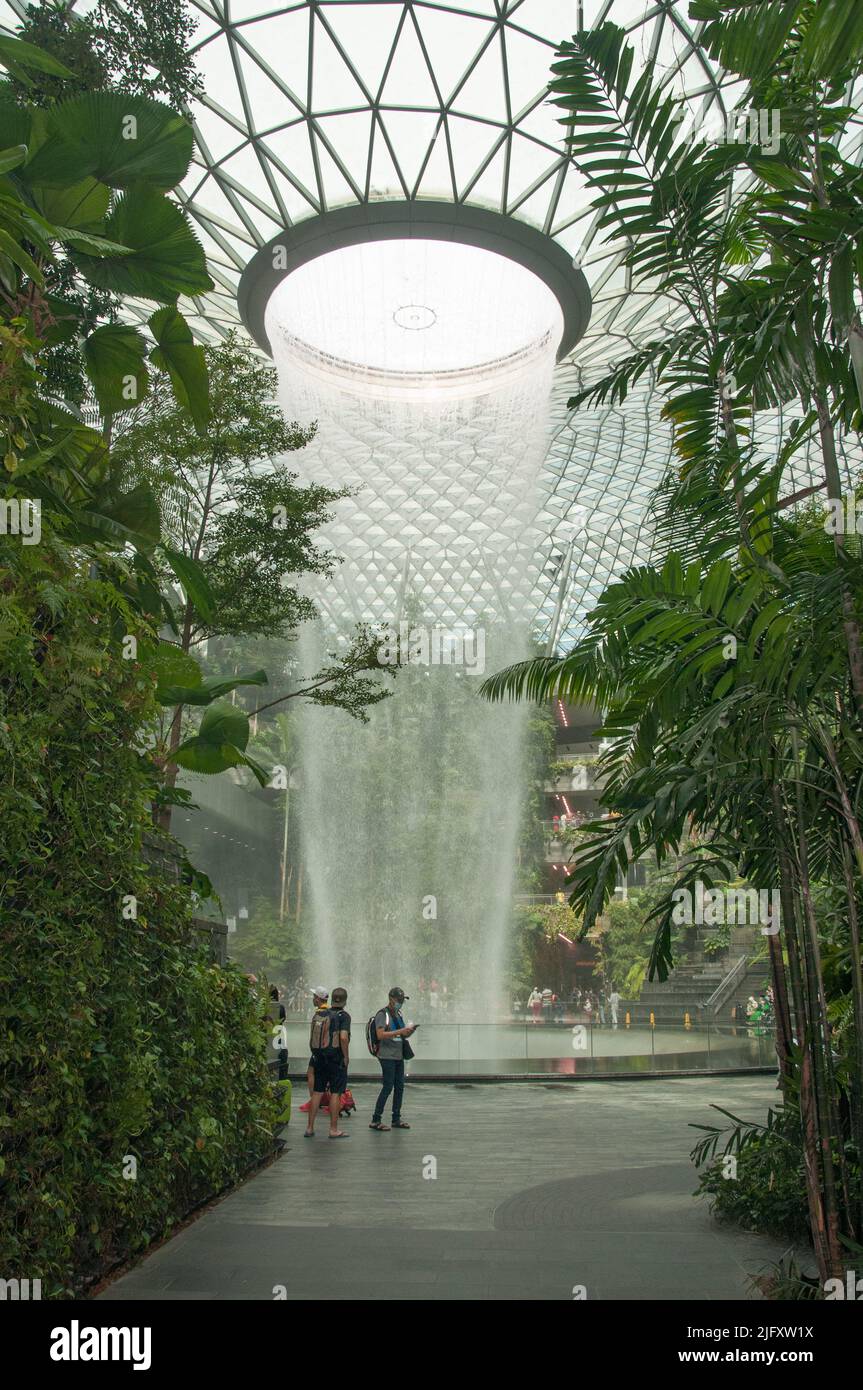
x=340, y=1135
x=380, y=1125
x=400, y=1124
x=309, y=1134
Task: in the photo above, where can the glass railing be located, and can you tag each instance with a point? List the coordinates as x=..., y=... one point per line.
x=579, y=1049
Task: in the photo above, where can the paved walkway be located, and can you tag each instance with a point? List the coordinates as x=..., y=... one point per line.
x=538, y=1189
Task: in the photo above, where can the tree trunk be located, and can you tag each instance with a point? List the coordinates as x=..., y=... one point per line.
x=856, y=1093
x=299, y=893
x=285, y=851
x=822, y=1063
x=784, y=1034
x=850, y=625
x=818, y=1224
x=175, y=736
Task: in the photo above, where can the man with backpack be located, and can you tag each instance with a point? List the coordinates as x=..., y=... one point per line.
x=321, y=1001
x=329, y=1041
x=387, y=1035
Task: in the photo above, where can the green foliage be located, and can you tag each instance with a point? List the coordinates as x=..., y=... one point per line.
x=562, y=767
x=160, y=256
x=535, y=955
x=763, y=1188
x=539, y=751
x=220, y=743
x=267, y=945
x=69, y=245
x=117, y=1037
x=114, y=138
x=242, y=528
x=730, y=670
x=624, y=939
x=247, y=530
x=633, y=980
x=719, y=941
x=141, y=45
x=118, y=1040
x=138, y=49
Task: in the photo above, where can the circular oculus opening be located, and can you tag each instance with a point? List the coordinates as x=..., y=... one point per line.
x=413, y=307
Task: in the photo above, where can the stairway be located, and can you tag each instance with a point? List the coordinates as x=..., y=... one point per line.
x=755, y=981
x=697, y=976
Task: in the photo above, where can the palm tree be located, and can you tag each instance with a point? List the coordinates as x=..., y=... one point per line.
x=729, y=672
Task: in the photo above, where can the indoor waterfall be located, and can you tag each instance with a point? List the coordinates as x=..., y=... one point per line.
x=410, y=823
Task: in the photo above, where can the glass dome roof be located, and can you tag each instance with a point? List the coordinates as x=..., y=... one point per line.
x=310, y=107
x=317, y=105
x=313, y=106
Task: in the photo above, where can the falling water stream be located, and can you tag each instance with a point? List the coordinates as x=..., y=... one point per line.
x=410, y=823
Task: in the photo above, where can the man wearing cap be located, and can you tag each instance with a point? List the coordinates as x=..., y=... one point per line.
x=330, y=1058
x=391, y=1031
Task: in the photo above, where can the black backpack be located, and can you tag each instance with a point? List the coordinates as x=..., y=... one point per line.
x=372, y=1043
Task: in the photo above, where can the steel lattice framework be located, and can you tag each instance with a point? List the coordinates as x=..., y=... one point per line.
x=321, y=104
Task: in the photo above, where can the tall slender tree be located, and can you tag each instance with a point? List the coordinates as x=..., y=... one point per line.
x=729, y=671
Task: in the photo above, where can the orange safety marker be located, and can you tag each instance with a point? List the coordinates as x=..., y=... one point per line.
x=687, y=1022
x=652, y=1019
x=627, y=1018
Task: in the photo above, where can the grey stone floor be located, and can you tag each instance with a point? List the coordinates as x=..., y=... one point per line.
x=540, y=1190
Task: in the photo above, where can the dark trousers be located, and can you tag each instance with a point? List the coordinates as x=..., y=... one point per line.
x=393, y=1077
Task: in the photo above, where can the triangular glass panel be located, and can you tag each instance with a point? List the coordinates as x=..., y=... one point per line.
x=334, y=86
x=349, y=136
x=451, y=41
x=281, y=42
x=385, y=179
x=292, y=148
x=528, y=67
x=218, y=135
x=366, y=34
x=408, y=82
x=472, y=141
x=436, y=180
x=244, y=168
x=269, y=105
x=220, y=79
x=488, y=188
x=485, y=90
x=529, y=163
x=411, y=134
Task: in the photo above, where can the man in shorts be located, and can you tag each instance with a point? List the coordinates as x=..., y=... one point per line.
x=321, y=1001
x=330, y=1039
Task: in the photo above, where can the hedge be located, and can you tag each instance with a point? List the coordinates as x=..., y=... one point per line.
x=133, y=1081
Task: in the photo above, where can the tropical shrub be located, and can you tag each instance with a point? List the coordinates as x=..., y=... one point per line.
x=758, y=1182
x=719, y=941
x=133, y=1081
x=119, y=1040
x=624, y=936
